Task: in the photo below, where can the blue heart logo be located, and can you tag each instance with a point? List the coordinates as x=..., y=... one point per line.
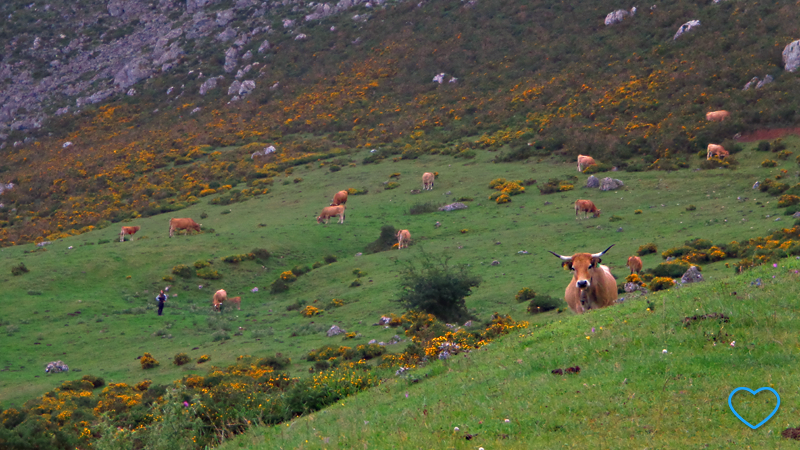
x=730, y=397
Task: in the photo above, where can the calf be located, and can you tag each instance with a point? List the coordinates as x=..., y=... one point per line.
x=427, y=181
x=635, y=264
x=403, y=238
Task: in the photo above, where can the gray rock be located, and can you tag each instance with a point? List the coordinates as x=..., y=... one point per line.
x=687, y=27
x=767, y=80
x=592, y=182
x=495, y=263
x=756, y=184
x=791, y=56
x=692, y=275
x=632, y=287
x=453, y=207
x=115, y=8
x=610, y=184
x=97, y=97
x=230, y=59
x=131, y=92
x=752, y=83
x=300, y=37
x=234, y=87
x=207, y=85
x=132, y=72
x=796, y=215
x=288, y=23
x=196, y=5
x=242, y=40
x=334, y=331
x=224, y=17
x=227, y=35
x=616, y=17
x=247, y=56
x=372, y=341
x=246, y=87
x=619, y=230
x=264, y=47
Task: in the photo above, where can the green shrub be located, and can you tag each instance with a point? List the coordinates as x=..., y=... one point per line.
x=181, y=359
x=676, y=251
x=19, y=269
x=763, y=146
x=646, y=249
x=364, y=352
x=777, y=145
x=524, y=295
x=543, y=302
x=208, y=274
x=330, y=259
x=220, y=335
x=96, y=381
x=182, y=271
x=355, y=283
x=422, y=208
x=277, y=362
x=148, y=362
x=691, y=208
x=784, y=154
x=200, y=263
x=615, y=218
x=260, y=253
x=300, y=270
x=769, y=163
x=435, y=287
x=235, y=259
x=391, y=185
x=599, y=167
x=671, y=269
x=660, y=284
x=699, y=244
x=278, y=286
x=317, y=265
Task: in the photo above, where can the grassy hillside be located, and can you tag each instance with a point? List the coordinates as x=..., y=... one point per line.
x=92, y=305
x=548, y=74
x=629, y=393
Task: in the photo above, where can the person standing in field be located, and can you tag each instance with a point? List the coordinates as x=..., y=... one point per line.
x=161, y=299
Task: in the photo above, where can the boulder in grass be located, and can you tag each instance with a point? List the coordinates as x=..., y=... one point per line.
x=692, y=275
x=453, y=207
x=56, y=367
x=335, y=331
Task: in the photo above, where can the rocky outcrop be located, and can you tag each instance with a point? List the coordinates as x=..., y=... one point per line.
x=224, y=17
x=335, y=331
x=687, y=27
x=209, y=84
x=616, y=17
x=692, y=275
x=791, y=56
x=610, y=184
x=132, y=72
x=233, y=89
x=264, y=47
x=453, y=207
x=767, y=80
x=592, y=182
x=246, y=87
x=231, y=57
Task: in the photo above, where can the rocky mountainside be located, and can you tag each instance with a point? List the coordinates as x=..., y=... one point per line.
x=59, y=56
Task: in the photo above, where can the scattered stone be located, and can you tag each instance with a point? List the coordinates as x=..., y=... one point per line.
x=616, y=17
x=767, y=80
x=56, y=367
x=384, y=320
x=756, y=184
x=692, y=275
x=209, y=84
x=721, y=317
x=547, y=203
x=415, y=191
x=791, y=56
x=796, y=215
x=247, y=87
x=66, y=144
x=300, y=37
x=131, y=92
x=334, y=331
x=224, y=18
x=263, y=152
x=234, y=88
x=495, y=263
x=592, y=182
x=231, y=56
x=610, y=184
x=132, y=72
x=247, y=57
x=619, y=230
x=777, y=219
x=687, y=27
x=372, y=341
x=453, y=207
x=195, y=111
x=632, y=287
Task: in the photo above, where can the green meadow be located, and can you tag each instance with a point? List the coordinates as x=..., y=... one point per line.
x=90, y=303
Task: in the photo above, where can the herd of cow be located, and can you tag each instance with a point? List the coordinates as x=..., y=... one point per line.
x=592, y=284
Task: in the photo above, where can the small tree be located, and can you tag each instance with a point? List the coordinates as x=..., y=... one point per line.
x=435, y=287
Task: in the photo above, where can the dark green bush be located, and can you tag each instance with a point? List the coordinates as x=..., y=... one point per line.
x=543, y=302
x=181, y=359
x=699, y=244
x=278, y=286
x=435, y=287
x=19, y=269
x=96, y=381
x=277, y=362
x=261, y=253
x=671, y=269
x=422, y=208
x=300, y=270
x=385, y=241
x=763, y=146
x=329, y=259
x=183, y=271
x=647, y=249
x=364, y=352
x=524, y=295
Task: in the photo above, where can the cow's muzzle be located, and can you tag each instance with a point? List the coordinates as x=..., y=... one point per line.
x=582, y=284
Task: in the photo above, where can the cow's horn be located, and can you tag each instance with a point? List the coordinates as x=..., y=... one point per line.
x=597, y=255
x=563, y=258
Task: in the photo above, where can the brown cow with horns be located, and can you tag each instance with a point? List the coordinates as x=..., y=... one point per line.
x=592, y=284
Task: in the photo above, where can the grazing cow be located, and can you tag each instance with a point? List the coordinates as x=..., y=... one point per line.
x=586, y=207
x=219, y=298
x=331, y=211
x=635, y=264
x=183, y=224
x=427, y=181
x=592, y=284
x=716, y=150
x=584, y=162
x=236, y=301
x=128, y=230
x=403, y=237
x=339, y=199
x=717, y=116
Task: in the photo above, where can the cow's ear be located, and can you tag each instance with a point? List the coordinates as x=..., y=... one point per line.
x=596, y=261
x=567, y=265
